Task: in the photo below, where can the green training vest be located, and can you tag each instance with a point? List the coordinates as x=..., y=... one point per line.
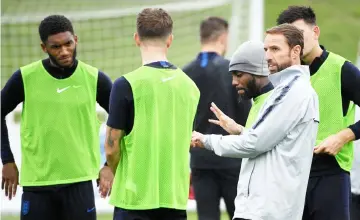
x=153, y=170
x=255, y=108
x=59, y=127
x=327, y=84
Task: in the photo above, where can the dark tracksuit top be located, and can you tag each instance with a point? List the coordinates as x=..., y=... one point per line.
x=210, y=72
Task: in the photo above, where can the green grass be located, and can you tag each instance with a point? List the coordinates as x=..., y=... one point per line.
x=339, y=22
x=191, y=216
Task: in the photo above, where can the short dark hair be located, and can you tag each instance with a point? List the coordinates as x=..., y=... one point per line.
x=211, y=28
x=294, y=13
x=152, y=23
x=54, y=24
x=293, y=35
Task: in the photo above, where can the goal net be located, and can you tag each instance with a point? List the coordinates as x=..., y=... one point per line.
x=105, y=30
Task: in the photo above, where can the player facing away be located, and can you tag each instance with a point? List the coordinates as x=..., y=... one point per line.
x=59, y=128
x=277, y=144
x=337, y=83
x=152, y=111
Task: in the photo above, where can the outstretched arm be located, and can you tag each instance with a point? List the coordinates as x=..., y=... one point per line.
x=281, y=115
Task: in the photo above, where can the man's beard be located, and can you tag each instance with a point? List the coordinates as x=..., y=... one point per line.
x=274, y=78
x=284, y=66
x=54, y=61
x=250, y=92
x=281, y=67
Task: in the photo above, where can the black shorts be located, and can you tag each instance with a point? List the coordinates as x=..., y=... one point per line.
x=328, y=198
x=355, y=207
x=151, y=214
x=210, y=185
x=70, y=202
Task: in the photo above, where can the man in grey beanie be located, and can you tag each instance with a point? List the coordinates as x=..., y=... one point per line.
x=213, y=177
x=278, y=139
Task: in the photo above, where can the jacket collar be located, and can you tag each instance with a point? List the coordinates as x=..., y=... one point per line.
x=288, y=74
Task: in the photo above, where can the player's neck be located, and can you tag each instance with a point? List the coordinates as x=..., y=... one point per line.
x=212, y=48
x=315, y=52
x=296, y=62
x=262, y=82
x=53, y=64
x=150, y=54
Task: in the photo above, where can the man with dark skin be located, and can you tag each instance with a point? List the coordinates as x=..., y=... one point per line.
x=59, y=129
x=214, y=177
x=278, y=132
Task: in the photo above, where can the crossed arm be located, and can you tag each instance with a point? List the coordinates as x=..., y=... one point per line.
x=112, y=146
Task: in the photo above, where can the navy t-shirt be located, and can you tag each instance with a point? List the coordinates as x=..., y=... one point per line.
x=121, y=112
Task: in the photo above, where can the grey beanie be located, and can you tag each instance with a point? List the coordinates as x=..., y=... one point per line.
x=250, y=58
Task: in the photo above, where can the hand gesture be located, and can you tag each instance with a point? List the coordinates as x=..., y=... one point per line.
x=10, y=179
x=224, y=121
x=197, y=139
x=106, y=180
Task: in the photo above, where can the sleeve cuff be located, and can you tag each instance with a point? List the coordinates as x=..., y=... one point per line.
x=356, y=129
x=211, y=140
x=207, y=143
x=8, y=160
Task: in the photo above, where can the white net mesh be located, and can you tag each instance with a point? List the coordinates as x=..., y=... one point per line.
x=105, y=30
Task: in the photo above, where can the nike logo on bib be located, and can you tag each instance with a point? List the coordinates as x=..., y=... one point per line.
x=167, y=79
x=63, y=89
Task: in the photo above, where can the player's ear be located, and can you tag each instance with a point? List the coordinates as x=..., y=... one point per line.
x=169, y=40
x=295, y=52
x=224, y=42
x=137, y=39
x=317, y=32
x=223, y=38
x=76, y=39
x=43, y=47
